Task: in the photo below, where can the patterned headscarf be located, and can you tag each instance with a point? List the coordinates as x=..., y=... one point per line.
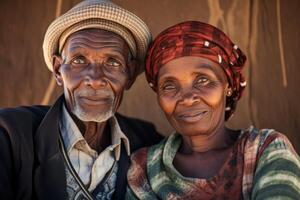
x=193, y=38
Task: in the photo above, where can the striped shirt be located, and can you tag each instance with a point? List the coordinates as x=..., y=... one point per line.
x=90, y=166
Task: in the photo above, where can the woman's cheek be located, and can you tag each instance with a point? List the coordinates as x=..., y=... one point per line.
x=167, y=104
x=214, y=98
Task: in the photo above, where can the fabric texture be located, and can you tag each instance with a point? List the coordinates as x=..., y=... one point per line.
x=266, y=158
x=31, y=163
x=90, y=166
x=76, y=189
x=102, y=14
x=75, y=192
x=193, y=38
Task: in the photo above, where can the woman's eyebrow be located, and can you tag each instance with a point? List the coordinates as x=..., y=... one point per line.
x=206, y=66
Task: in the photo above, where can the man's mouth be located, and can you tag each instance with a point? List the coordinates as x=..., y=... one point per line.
x=192, y=116
x=96, y=100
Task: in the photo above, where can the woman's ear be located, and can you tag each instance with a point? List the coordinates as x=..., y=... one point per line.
x=132, y=72
x=229, y=91
x=56, y=63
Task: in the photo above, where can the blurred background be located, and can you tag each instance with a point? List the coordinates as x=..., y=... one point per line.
x=268, y=31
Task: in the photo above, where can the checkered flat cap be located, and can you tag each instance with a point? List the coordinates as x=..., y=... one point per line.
x=102, y=14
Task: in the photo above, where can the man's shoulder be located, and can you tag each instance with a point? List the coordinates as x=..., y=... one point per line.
x=31, y=112
x=21, y=118
x=139, y=132
x=20, y=109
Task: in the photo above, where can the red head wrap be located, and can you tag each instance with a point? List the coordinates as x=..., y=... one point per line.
x=194, y=38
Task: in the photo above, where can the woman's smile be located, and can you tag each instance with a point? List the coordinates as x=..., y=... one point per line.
x=191, y=115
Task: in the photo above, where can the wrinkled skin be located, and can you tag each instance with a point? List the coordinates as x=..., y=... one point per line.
x=94, y=70
x=192, y=93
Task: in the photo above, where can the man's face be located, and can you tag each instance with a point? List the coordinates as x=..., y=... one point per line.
x=93, y=69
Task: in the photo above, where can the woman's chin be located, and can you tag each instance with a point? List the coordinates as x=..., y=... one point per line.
x=192, y=130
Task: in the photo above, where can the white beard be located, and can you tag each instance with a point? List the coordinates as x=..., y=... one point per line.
x=99, y=117
x=83, y=115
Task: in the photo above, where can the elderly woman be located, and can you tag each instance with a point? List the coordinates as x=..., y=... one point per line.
x=195, y=70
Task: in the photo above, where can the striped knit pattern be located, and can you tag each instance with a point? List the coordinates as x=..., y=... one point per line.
x=271, y=170
x=277, y=174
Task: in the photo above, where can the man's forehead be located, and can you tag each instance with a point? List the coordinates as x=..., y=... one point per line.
x=96, y=39
x=95, y=33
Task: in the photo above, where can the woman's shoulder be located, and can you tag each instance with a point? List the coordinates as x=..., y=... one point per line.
x=278, y=166
x=267, y=153
x=140, y=156
x=266, y=138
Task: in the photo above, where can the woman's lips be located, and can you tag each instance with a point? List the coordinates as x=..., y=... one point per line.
x=191, y=116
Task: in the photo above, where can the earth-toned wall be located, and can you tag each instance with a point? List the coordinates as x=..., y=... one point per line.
x=268, y=31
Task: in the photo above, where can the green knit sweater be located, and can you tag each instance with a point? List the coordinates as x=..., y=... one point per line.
x=271, y=170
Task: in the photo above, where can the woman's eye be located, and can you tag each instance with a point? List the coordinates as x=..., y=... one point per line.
x=168, y=87
x=79, y=61
x=202, y=81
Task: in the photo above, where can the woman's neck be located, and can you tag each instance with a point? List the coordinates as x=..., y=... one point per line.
x=216, y=139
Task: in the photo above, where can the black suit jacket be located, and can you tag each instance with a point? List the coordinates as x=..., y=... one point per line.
x=31, y=164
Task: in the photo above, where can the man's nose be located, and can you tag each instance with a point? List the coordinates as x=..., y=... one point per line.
x=95, y=76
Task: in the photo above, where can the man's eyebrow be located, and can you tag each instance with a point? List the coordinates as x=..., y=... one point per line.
x=109, y=53
x=116, y=54
x=76, y=48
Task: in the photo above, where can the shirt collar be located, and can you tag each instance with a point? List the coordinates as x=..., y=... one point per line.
x=71, y=134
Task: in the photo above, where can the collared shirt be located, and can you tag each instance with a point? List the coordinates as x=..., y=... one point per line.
x=90, y=166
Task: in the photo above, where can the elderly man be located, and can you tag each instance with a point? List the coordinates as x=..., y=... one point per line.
x=79, y=148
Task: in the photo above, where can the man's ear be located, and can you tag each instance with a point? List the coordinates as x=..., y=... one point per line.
x=133, y=66
x=56, y=63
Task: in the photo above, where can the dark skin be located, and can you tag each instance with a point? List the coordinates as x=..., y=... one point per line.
x=192, y=93
x=94, y=69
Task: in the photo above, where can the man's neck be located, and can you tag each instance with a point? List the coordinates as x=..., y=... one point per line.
x=96, y=134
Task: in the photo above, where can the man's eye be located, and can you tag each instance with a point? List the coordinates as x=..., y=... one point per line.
x=113, y=63
x=79, y=61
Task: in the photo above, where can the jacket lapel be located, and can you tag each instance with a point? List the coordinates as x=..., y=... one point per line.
x=49, y=173
x=122, y=175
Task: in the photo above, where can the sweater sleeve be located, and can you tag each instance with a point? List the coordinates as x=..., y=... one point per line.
x=6, y=167
x=278, y=172
x=138, y=183
x=130, y=195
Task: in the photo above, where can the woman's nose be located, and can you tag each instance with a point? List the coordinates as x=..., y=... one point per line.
x=189, y=97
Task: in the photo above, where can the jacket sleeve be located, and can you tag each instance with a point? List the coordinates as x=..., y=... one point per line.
x=277, y=174
x=7, y=178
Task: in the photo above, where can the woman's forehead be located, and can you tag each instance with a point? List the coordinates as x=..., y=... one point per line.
x=189, y=65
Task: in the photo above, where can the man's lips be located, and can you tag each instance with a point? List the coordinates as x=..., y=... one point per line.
x=96, y=100
x=191, y=116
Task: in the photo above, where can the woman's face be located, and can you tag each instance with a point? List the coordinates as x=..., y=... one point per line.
x=192, y=94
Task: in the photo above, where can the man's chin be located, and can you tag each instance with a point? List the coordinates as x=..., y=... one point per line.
x=93, y=116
